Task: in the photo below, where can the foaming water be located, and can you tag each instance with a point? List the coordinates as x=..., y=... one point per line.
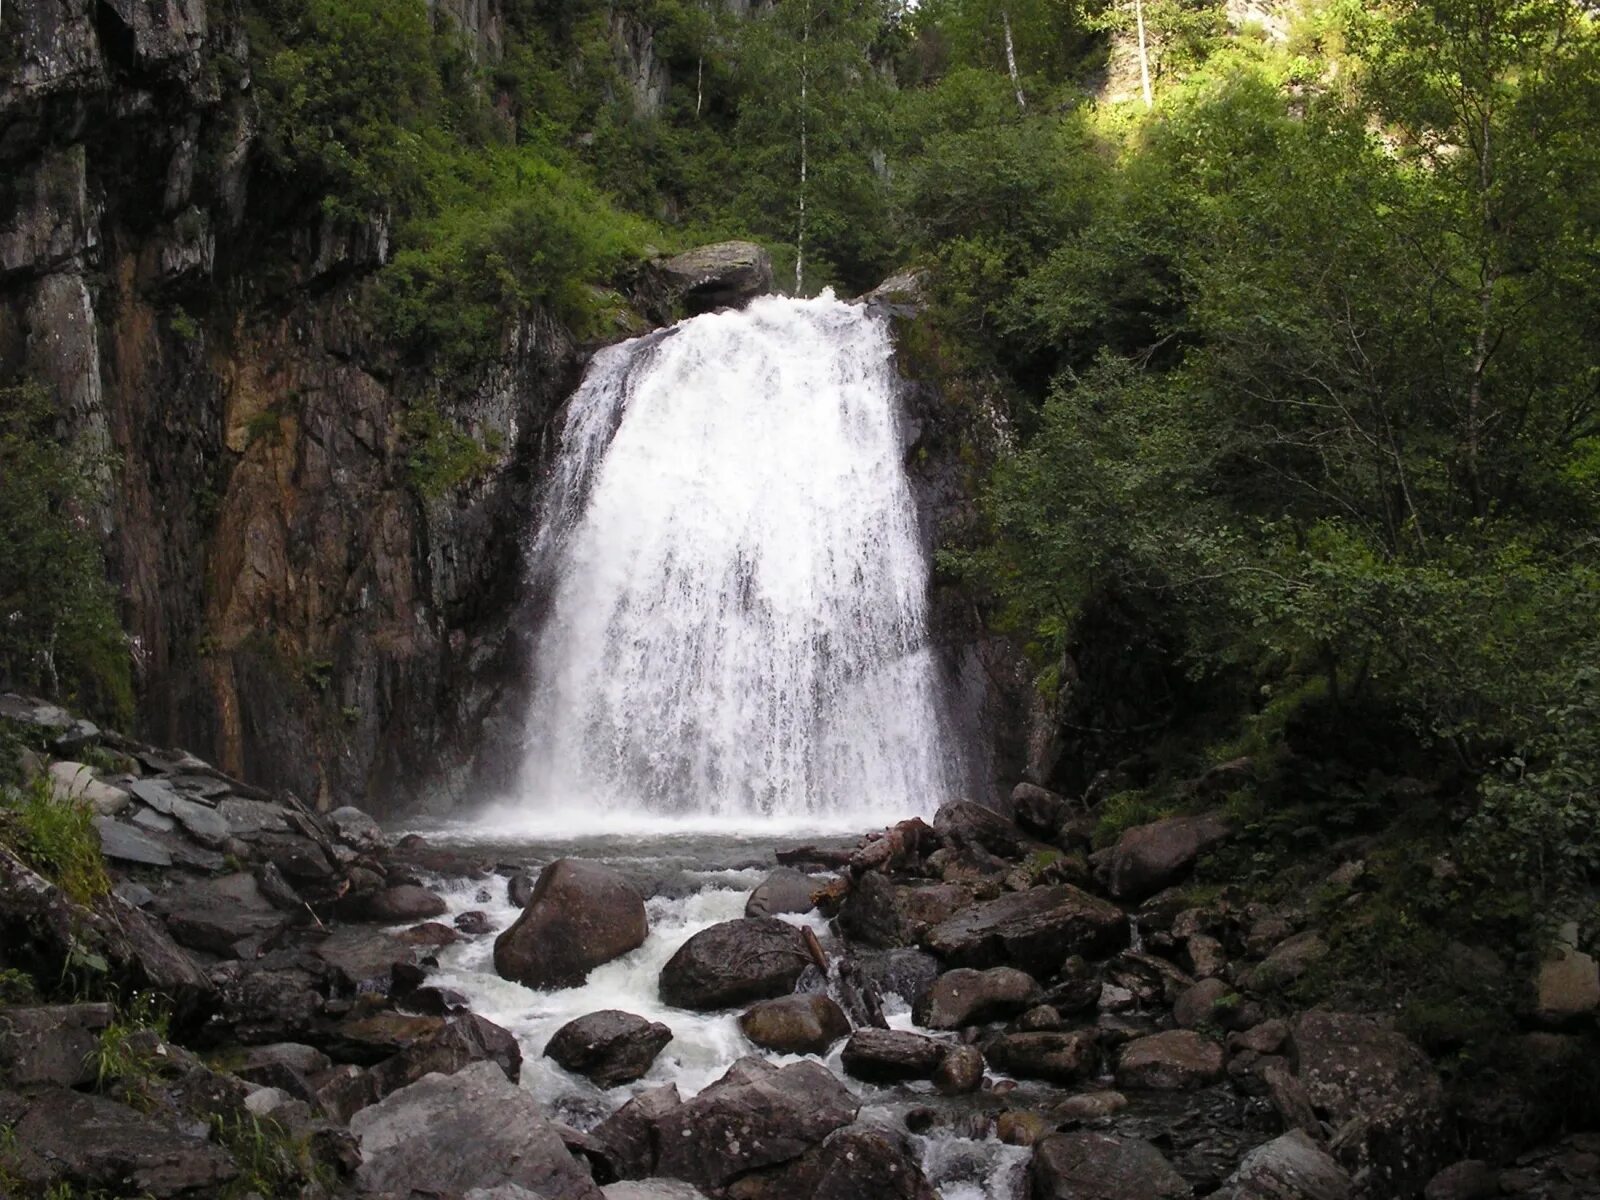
x=736, y=627
x=691, y=885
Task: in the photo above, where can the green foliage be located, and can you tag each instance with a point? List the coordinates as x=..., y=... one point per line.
x=442, y=456
x=125, y=1053
x=271, y=1160
x=59, y=631
x=510, y=233
x=57, y=839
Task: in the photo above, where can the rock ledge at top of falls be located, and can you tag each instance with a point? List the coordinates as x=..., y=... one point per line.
x=722, y=275
x=581, y=914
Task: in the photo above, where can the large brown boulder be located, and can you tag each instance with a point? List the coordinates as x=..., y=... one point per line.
x=1149, y=857
x=755, y=1116
x=795, y=1024
x=891, y=1055
x=1101, y=1166
x=753, y=958
x=963, y=824
x=968, y=997
x=1177, y=1060
x=609, y=1047
x=1056, y=1057
x=581, y=914
x=1035, y=930
x=1379, y=1085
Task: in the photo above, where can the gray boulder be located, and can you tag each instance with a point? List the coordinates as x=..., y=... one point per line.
x=723, y=275
x=51, y=1045
x=93, y=1144
x=609, y=1047
x=738, y=961
x=786, y=890
x=629, y=1134
x=755, y=1116
x=856, y=1163
x=1291, y=1167
x=581, y=914
x=449, y=1134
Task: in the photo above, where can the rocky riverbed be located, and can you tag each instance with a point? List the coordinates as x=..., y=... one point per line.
x=274, y=1001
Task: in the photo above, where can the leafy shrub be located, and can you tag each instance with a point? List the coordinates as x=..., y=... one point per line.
x=56, y=839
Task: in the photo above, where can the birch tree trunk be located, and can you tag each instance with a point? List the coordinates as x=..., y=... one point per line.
x=1144, y=55
x=1011, y=60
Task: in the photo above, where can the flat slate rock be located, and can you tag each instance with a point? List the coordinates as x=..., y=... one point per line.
x=127, y=844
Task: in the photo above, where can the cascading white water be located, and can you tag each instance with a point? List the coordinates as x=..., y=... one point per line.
x=737, y=586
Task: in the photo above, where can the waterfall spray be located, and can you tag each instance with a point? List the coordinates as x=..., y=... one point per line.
x=737, y=582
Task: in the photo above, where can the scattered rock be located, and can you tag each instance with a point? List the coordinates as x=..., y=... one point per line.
x=215, y=915
x=75, y=783
x=474, y=1129
x=124, y=843
x=407, y=902
x=474, y=923
x=610, y=1047
x=890, y=1055
x=738, y=961
x=786, y=890
x=1100, y=1166
x=1034, y=930
x=755, y=1116
x=1089, y=1106
x=1289, y=960
x=93, y=1143
x=629, y=1134
x=1179, y=1060
x=959, y=1071
x=581, y=914
x=1208, y=1002
x=962, y=824
x=356, y=829
x=807, y=1024
x=878, y=912
x=1470, y=1179
x=1021, y=1127
x=1039, y=811
x=51, y=1045
x=1055, y=1057
x=365, y=960
x=1291, y=1167
x=968, y=997
x=857, y=1163
x=1149, y=857
x=1567, y=985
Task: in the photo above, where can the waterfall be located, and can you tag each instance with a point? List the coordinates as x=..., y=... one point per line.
x=736, y=584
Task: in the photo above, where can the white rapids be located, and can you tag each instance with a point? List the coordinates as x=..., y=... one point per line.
x=736, y=584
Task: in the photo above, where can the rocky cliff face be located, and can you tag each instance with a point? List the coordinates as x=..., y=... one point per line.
x=300, y=611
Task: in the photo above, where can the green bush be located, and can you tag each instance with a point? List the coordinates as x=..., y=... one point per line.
x=57, y=839
x=59, y=632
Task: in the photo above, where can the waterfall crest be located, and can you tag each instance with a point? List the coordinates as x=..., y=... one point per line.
x=737, y=588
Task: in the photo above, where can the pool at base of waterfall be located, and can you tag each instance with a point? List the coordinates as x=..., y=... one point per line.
x=691, y=880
